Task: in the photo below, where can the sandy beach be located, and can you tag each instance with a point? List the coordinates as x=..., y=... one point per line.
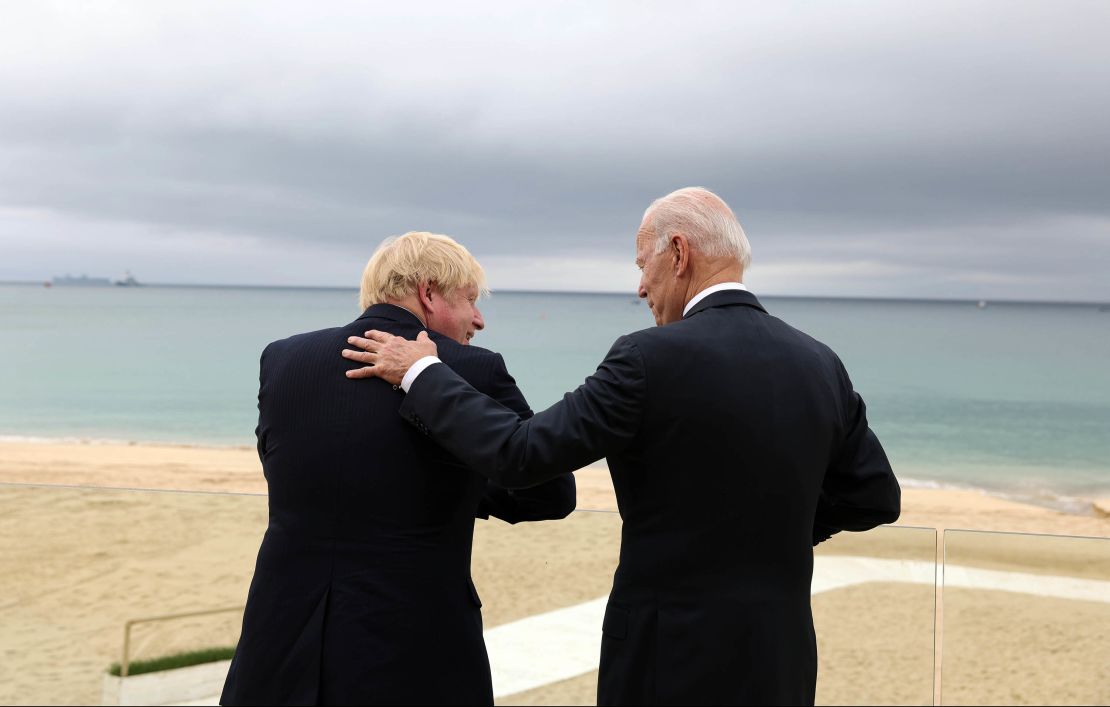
x=237, y=470
x=83, y=555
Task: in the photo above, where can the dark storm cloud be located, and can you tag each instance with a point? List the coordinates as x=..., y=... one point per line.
x=964, y=141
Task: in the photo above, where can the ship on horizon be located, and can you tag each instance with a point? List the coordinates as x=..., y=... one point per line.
x=81, y=280
x=84, y=280
x=128, y=281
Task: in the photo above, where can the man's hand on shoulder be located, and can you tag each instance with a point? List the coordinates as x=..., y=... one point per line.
x=388, y=357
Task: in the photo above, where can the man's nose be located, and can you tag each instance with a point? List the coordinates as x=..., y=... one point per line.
x=479, y=323
x=640, y=291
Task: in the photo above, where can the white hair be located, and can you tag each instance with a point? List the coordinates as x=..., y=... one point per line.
x=706, y=221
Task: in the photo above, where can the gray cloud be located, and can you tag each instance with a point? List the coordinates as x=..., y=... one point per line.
x=880, y=149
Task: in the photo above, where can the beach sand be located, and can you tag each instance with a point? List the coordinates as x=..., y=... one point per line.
x=237, y=470
x=78, y=562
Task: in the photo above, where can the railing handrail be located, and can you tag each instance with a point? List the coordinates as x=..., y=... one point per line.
x=125, y=661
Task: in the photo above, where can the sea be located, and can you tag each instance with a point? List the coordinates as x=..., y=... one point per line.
x=1012, y=398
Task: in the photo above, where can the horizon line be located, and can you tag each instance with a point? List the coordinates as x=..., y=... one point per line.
x=611, y=293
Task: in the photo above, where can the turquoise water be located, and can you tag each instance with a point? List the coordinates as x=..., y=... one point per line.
x=1011, y=398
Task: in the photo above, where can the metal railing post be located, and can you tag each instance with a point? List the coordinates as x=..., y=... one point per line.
x=125, y=661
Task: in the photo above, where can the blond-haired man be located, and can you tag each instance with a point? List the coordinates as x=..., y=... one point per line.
x=362, y=591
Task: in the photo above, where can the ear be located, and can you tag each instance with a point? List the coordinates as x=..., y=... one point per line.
x=680, y=254
x=426, y=293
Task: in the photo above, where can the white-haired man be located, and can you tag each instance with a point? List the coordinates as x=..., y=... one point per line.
x=735, y=442
x=362, y=591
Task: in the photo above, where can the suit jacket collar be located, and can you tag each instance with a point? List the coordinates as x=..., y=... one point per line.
x=391, y=312
x=727, y=298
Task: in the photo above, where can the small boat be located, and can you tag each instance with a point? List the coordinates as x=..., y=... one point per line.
x=982, y=304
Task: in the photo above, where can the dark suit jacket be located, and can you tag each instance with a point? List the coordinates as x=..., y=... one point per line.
x=735, y=443
x=362, y=591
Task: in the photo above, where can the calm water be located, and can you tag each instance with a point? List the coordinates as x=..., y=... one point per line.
x=1013, y=398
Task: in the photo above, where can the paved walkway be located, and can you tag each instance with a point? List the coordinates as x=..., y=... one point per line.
x=566, y=643
x=569, y=640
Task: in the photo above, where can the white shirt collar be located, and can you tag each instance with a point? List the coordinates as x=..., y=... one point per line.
x=720, y=287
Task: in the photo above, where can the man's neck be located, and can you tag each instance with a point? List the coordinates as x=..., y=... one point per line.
x=714, y=275
x=712, y=289
x=412, y=306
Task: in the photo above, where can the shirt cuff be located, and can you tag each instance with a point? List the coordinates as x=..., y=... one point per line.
x=415, y=370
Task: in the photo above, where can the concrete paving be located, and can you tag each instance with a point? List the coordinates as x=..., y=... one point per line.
x=565, y=643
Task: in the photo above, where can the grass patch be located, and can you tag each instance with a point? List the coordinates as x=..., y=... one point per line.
x=177, y=660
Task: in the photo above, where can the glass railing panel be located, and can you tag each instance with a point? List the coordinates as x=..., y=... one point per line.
x=544, y=587
x=85, y=572
x=874, y=611
x=1026, y=619
x=77, y=564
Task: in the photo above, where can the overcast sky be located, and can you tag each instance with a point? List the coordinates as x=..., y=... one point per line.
x=943, y=149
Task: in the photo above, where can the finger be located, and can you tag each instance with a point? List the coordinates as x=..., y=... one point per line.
x=367, y=344
x=361, y=356
x=380, y=336
x=364, y=372
x=424, y=338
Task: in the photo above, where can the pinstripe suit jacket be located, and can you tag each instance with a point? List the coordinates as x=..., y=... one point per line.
x=362, y=590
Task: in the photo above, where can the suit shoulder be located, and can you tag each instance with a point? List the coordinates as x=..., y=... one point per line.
x=654, y=338
x=473, y=363
x=647, y=335
x=808, y=341
x=767, y=328
x=295, y=342
x=449, y=349
x=806, y=347
x=309, y=337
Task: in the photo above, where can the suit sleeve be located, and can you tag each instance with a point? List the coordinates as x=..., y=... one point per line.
x=550, y=500
x=599, y=418
x=859, y=490
x=261, y=430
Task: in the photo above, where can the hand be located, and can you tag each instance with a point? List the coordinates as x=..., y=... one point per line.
x=389, y=356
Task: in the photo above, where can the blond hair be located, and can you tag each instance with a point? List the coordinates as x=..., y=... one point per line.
x=401, y=263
